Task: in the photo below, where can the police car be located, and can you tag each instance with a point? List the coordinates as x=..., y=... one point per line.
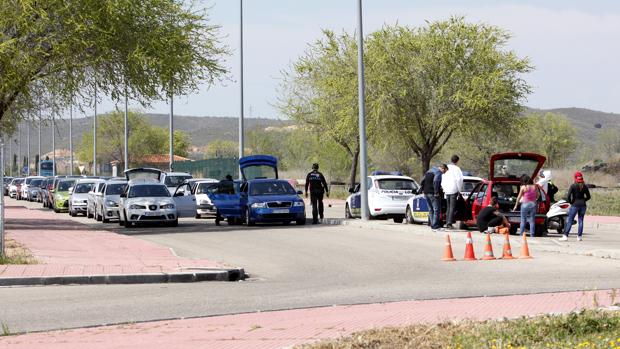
x=388, y=193
x=417, y=206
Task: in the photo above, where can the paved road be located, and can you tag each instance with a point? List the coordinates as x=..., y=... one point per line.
x=294, y=267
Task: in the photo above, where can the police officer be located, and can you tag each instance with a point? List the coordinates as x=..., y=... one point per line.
x=318, y=187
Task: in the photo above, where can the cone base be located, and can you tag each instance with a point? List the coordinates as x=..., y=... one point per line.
x=469, y=259
x=488, y=258
x=508, y=257
x=525, y=257
x=448, y=259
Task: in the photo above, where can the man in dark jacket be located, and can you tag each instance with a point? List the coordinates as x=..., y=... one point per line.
x=431, y=187
x=318, y=186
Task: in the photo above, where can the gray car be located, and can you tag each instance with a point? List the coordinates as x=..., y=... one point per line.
x=34, y=189
x=79, y=196
x=106, y=202
x=92, y=197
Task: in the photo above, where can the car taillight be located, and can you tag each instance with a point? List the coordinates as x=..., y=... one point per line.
x=564, y=206
x=377, y=209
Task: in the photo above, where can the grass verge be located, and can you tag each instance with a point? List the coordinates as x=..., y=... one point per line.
x=604, y=202
x=16, y=254
x=586, y=329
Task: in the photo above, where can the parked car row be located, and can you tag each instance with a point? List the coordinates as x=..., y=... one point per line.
x=148, y=195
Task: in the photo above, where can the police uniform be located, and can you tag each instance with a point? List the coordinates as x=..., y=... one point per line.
x=318, y=186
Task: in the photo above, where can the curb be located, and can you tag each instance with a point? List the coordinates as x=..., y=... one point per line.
x=215, y=275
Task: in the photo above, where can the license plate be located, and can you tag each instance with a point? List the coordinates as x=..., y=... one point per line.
x=152, y=213
x=282, y=210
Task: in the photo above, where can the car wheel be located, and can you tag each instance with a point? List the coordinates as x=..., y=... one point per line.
x=301, y=221
x=56, y=210
x=105, y=220
x=98, y=216
x=197, y=216
x=248, y=220
x=398, y=220
x=286, y=222
x=409, y=216
x=539, y=230
x=88, y=214
x=463, y=226
x=175, y=223
x=347, y=212
x=72, y=214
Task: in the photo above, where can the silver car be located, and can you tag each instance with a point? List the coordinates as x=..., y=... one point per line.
x=92, y=198
x=78, y=200
x=34, y=189
x=25, y=190
x=106, y=202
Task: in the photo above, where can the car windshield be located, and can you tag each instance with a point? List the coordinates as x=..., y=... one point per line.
x=175, y=181
x=514, y=168
x=83, y=188
x=468, y=186
x=272, y=188
x=46, y=165
x=18, y=181
x=204, y=188
x=115, y=189
x=65, y=185
x=396, y=184
x=149, y=190
x=36, y=183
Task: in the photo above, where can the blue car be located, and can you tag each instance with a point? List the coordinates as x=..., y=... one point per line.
x=260, y=196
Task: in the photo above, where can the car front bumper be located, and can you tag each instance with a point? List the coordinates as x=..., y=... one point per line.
x=278, y=214
x=140, y=215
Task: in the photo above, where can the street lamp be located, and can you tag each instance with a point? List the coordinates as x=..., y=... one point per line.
x=362, y=112
x=2, y=198
x=171, y=130
x=241, y=127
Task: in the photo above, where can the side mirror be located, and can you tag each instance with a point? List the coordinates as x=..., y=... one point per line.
x=99, y=194
x=299, y=192
x=71, y=190
x=91, y=192
x=179, y=193
x=351, y=190
x=123, y=195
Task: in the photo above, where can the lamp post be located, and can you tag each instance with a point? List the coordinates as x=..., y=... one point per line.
x=126, y=157
x=241, y=127
x=39, y=146
x=95, y=136
x=71, y=140
x=171, y=131
x=362, y=112
x=2, y=198
x=28, y=148
x=54, y=144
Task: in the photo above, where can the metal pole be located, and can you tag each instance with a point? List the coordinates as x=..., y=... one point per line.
x=54, y=144
x=2, y=199
x=11, y=156
x=71, y=140
x=126, y=157
x=362, y=112
x=95, y=136
x=39, y=164
x=19, y=151
x=28, y=148
x=171, y=131
x=241, y=127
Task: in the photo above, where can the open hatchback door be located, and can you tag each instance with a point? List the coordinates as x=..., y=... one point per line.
x=258, y=167
x=143, y=173
x=511, y=166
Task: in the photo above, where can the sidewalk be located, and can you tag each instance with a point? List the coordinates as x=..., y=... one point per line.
x=71, y=253
x=283, y=329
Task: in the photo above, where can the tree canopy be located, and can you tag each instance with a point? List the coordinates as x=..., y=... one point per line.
x=54, y=52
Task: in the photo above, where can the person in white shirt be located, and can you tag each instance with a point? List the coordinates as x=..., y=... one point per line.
x=544, y=177
x=452, y=185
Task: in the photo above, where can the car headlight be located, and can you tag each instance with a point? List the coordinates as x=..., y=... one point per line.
x=259, y=205
x=167, y=206
x=110, y=203
x=298, y=203
x=137, y=207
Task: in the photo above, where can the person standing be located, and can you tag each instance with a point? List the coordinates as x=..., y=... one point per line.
x=528, y=197
x=318, y=186
x=431, y=187
x=578, y=195
x=452, y=184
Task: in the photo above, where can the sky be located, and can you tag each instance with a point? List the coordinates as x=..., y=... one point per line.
x=573, y=46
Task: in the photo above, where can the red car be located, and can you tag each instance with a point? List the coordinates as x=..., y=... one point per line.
x=504, y=182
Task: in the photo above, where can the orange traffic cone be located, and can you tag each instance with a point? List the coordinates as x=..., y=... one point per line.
x=447, y=252
x=525, y=250
x=469, y=248
x=507, y=253
x=488, y=249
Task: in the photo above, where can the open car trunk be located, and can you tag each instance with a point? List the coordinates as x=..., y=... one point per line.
x=512, y=166
x=258, y=167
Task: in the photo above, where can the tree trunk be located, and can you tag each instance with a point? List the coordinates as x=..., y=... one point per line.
x=354, y=161
x=426, y=158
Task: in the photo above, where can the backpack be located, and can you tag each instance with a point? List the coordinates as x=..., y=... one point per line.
x=552, y=189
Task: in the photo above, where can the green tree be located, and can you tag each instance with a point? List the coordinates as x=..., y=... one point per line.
x=54, y=50
x=609, y=142
x=144, y=139
x=427, y=84
x=320, y=92
x=551, y=135
x=222, y=149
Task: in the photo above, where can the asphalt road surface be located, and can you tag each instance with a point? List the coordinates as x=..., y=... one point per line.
x=295, y=267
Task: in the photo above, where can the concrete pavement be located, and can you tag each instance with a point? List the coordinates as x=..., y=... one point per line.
x=283, y=329
x=71, y=253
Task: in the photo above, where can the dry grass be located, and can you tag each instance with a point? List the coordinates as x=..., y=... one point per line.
x=588, y=329
x=16, y=254
x=564, y=178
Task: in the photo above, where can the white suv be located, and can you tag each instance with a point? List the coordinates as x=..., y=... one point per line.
x=172, y=180
x=388, y=193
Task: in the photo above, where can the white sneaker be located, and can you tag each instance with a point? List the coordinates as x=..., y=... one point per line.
x=579, y=238
x=434, y=230
x=563, y=238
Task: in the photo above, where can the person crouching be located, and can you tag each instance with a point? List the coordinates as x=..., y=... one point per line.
x=490, y=220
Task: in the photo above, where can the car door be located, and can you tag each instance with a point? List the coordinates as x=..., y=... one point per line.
x=475, y=202
x=356, y=202
x=185, y=201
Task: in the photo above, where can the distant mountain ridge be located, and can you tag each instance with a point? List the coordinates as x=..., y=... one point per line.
x=205, y=129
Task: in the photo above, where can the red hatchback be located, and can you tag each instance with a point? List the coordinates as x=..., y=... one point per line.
x=504, y=182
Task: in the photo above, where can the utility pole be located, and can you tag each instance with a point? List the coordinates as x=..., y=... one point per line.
x=54, y=143
x=28, y=148
x=362, y=112
x=241, y=127
x=39, y=164
x=126, y=157
x=171, y=131
x=95, y=136
x=2, y=198
x=71, y=140
x=19, y=151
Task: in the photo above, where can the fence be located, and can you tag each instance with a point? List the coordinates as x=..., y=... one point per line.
x=209, y=168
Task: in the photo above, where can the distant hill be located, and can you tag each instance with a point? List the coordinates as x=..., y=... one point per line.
x=201, y=130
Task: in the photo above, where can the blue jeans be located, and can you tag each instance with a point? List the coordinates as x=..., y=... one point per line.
x=434, y=209
x=573, y=211
x=528, y=211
